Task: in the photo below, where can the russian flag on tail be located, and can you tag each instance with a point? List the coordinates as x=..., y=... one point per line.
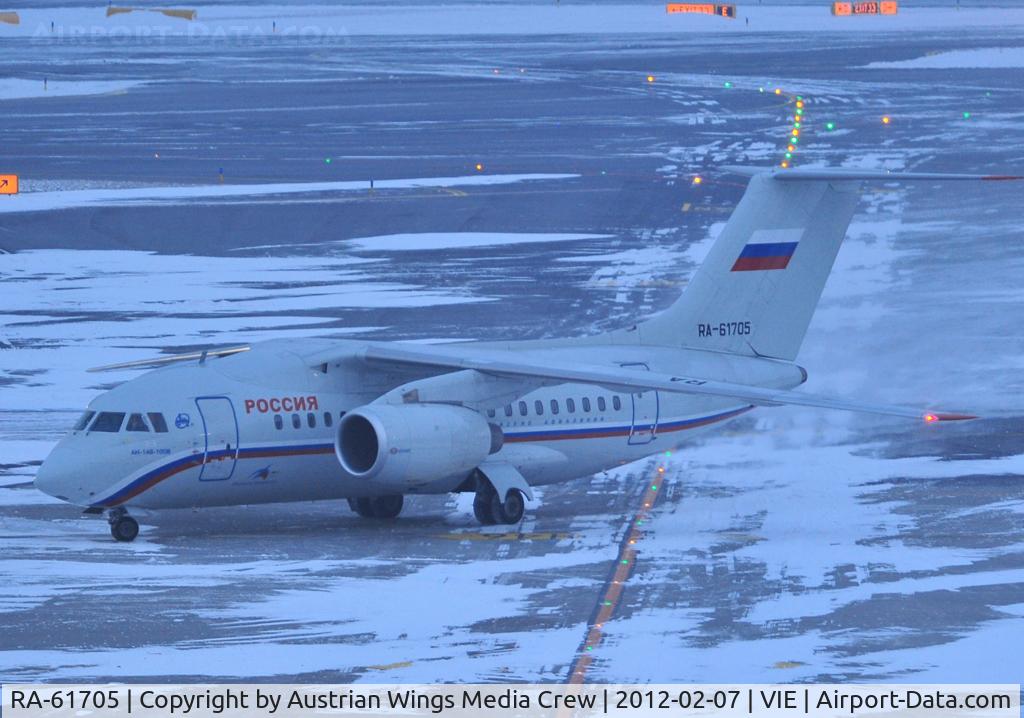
x=768, y=249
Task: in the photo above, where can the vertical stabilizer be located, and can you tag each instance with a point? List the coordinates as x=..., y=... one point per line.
x=757, y=289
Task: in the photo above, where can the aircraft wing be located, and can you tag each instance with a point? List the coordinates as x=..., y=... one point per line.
x=514, y=364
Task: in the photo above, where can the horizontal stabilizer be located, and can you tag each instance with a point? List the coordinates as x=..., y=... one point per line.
x=827, y=174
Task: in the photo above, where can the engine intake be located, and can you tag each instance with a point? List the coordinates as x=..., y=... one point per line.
x=411, y=445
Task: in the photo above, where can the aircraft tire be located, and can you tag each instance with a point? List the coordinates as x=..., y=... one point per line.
x=363, y=506
x=482, y=503
x=124, y=529
x=509, y=511
x=387, y=507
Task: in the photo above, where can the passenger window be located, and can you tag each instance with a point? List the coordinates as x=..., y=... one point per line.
x=554, y=406
x=538, y=406
x=616, y=403
x=278, y=421
x=570, y=406
x=311, y=420
x=83, y=420
x=522, y=408
x=490, y=413
x=296, y=421
x=601, y=405
x=328, y=419
x=586, y=404
x=508, y=410
x=108, y=421
x=136, y=423
x=157, y=420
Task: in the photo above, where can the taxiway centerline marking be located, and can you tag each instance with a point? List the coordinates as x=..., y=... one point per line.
x=610, y=596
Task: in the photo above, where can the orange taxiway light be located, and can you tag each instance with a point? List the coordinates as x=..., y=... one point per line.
x=886, y=120
x=8, y=184
x=650, y=78
x=479, y=167
x=698, y=180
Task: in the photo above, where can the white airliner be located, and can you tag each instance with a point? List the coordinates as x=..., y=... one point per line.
x=372, y=421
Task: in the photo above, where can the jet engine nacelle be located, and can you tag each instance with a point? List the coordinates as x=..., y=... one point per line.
x=409, y=445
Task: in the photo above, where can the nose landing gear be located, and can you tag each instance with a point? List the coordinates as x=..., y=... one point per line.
x=122, y=526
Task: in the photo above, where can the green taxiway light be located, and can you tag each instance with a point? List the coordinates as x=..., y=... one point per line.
x=654, y=488
x=967, y=115
x=789, y=155
x=327, y=160
x=830, y=125
x=728, y=84
x=796, y=125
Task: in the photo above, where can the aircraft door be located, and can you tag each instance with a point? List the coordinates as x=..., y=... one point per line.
x=220, y=427
x=646, y=406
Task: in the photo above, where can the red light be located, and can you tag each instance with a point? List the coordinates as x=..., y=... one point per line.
x=929, y=418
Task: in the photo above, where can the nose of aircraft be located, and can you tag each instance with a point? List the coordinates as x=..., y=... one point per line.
x=55, y=475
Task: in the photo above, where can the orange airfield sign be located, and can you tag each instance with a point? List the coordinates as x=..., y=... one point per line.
x=865, y=7
x=8, y=184
x=701, y=9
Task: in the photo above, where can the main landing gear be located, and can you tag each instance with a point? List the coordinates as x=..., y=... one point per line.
x=490, y=509
x=122, y=526
x=378, y=507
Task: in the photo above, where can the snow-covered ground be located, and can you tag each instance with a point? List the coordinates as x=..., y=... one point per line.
x=228, y=22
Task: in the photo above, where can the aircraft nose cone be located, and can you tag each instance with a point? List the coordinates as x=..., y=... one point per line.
x=53, y=476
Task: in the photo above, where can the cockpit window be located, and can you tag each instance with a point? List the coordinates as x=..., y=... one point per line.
x=136, y=423
x=108, y=421
x=157, y=420
x=83, y=420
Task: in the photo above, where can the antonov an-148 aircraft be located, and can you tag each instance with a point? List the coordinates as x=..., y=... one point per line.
x=372, y=421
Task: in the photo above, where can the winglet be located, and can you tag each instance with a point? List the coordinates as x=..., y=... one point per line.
x=825, y=174
x=931, y=418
